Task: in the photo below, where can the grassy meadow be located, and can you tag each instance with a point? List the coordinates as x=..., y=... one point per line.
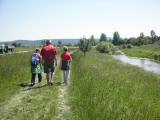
x=14, y=70
x=145, y=51
x=103, y=88
x=18, y=101
x=18, y=49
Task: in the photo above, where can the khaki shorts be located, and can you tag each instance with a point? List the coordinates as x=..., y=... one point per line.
x=48, y=66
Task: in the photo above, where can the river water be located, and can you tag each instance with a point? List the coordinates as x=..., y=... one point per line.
x=146, y=64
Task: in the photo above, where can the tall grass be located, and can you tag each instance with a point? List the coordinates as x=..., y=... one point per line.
x=30, y=103
x=147, y=51
x=103, y=88
x=14, y=70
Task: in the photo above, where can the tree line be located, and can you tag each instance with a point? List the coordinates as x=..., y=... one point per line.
x=136, y=41
x=85, y=44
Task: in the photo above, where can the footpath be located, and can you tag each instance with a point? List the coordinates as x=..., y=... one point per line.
x=39, y=102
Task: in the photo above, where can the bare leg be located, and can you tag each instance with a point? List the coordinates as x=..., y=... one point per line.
x=67, y=76
x=64, y=76
x=52, y=77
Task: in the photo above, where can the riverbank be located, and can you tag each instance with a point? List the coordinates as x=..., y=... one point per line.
x=151, y=51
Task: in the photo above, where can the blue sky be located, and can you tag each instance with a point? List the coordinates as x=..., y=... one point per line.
x=40, y=19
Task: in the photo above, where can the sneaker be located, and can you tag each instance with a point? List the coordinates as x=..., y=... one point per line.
x=32, y=84
x=39, y=81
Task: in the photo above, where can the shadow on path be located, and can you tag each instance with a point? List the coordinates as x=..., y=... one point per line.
x=59, y=83
x=24, y=85
x=28, y=86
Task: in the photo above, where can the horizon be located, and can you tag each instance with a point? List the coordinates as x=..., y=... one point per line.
x=39, y=19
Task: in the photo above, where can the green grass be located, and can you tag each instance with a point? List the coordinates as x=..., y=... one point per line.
x=18, y=49
x=146, y=51
x=103, y=88
x=14, y=69
x=37, y=104
x=23, y=102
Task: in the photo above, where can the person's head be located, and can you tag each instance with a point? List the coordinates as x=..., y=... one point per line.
x=48, y=42
x=65, y=48
x=37, y=50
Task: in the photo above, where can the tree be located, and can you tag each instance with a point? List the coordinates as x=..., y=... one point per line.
x=141, y=35
x=142, y=39
x=14, y=44
x=84, y=45
x=105, y=47
x=153, y=36
x=116, y=38
x=132, y=41
x=103, y=37
x=92, y=40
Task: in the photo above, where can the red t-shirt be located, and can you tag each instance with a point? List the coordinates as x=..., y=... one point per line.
x=48, y=52
x=66, y=56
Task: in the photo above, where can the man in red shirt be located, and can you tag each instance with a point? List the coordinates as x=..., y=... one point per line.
x=49, y=58
x=66, y=58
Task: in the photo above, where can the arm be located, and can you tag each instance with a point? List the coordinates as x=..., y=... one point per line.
x=41, y=60
x=70, y=57
x=55, y=60
x=41, y=54
x=55, y=53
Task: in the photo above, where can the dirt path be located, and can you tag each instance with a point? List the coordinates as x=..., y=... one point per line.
x=63, y=106
x=18, y=101
x=64, y=111
x=8, y=106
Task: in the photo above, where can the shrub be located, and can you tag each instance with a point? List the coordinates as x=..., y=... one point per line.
x=129, y=46
x=105, y=47
x=157, y=57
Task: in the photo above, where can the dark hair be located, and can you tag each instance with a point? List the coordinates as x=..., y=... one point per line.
x=37, y=50
x=48, y=41
x=65, y=48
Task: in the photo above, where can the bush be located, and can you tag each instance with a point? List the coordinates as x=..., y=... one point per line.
x=105, y=47
x=157, y=57
x=129, y=46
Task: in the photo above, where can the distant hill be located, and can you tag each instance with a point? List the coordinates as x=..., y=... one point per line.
x=31, y=43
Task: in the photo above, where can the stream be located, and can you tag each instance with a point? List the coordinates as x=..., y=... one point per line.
x=146, y=64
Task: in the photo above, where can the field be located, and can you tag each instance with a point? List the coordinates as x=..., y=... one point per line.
x=104, y=88
x=18, y=101
x=101, y=88
x=19, y=49
x=14, y=69
x=146, y=51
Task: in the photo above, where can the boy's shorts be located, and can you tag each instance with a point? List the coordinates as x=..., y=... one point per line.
x=48, y=66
